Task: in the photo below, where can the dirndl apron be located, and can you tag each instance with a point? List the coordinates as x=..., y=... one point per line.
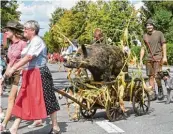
x=36, y=98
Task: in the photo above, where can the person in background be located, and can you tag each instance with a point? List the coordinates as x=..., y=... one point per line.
x=48, y=57
x=99, y=37
x=73, y=47
x=66, y=52
x=2, y=68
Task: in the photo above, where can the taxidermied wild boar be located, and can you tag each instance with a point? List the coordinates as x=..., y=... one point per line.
x=103, y=61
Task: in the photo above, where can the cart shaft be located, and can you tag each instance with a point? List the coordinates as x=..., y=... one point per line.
x=71, y=98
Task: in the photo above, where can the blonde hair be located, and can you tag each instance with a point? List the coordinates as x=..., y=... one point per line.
x=98, y=33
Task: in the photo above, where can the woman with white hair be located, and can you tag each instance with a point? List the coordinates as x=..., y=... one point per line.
x=36, y=98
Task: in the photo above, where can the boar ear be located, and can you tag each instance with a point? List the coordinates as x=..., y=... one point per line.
x=84, y=51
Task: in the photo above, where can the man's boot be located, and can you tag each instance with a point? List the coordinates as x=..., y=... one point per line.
x=160, y=93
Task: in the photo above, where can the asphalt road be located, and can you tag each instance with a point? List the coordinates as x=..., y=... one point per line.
x=159, y=120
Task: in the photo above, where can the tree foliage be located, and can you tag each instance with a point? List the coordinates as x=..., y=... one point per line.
x=113, y=17
x=9, y=11
x=162, y=13
x=56, y=15
x=120, y=23
x=48, y=40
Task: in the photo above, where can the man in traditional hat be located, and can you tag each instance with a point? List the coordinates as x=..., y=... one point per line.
x=155, y=44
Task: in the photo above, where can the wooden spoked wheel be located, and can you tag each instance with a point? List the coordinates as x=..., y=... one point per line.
x=87, y=113
x=113, y=110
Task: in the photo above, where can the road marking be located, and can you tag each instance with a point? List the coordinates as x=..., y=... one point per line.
x=109, y=127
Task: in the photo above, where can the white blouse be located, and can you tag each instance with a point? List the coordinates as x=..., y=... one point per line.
x=36, y=48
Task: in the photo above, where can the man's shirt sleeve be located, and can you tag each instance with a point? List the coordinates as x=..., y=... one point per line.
x=162, y=38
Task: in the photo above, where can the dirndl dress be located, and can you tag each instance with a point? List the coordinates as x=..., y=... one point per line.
x=36, y=98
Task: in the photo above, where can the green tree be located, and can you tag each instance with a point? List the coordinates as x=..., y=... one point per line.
x=56, y=15
x=113, y=18
x=48, y=40
x=153, y=5
x=9, y=11
x=71, y=24
x=117, y=19
x=62, y=29
x=162, y=13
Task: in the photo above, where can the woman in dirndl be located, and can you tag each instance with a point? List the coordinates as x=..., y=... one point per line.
x=36, y=98
x=14, y=33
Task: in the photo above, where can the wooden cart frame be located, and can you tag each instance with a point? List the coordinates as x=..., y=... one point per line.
x=140, y=100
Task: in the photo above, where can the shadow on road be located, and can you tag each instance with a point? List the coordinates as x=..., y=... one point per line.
x=54, y=71
x=62, y=80
x=164, y=102
x=100, y=116
x=46, y=129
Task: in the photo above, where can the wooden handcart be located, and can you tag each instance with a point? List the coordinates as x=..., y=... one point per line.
x=133, y=91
